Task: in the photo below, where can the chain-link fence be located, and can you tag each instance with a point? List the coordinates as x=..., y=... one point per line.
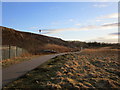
x=11, y=51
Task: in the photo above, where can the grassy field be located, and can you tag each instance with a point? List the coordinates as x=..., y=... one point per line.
x=92, y=68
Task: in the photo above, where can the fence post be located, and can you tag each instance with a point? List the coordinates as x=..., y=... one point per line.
x=16, y=52
x=9, y=50
x=1, y=52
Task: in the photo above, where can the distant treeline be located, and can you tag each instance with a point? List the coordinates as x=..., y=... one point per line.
x=79, y=44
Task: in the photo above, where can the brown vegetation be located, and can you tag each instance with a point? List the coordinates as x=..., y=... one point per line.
x=57, y=48
x=92, y=68
x=34, y=43
x=31, y=42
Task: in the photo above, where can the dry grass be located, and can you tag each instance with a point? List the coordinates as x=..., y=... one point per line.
x=57, y=48
x=90, y=69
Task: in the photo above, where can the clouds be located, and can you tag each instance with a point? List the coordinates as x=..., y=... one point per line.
x=107, y=22
x=89, y=27
x=78, y=24
x=115, y=34
x=100, y=5
x=110, y=16
x=33, y=27
x=111, y=24
x=112, y=37
x=60, y=0
x=113, y=17
x=99, y=20
x=71, y=20
x=63, y=22
x=104, y=26
x=106, y=40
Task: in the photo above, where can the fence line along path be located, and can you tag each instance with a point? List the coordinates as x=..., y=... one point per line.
x=9, y=51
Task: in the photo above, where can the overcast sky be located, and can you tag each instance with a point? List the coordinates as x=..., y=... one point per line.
x=83, y=21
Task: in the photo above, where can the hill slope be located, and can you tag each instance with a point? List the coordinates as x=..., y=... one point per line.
x=31, y=41
x=34, y=43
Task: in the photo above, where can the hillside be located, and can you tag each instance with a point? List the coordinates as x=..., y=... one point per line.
x=32, y=42
x=35, y=43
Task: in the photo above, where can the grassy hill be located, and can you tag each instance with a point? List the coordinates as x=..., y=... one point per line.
x=32, y=42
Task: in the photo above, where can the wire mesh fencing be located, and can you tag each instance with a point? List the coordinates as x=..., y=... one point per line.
x=11, y=51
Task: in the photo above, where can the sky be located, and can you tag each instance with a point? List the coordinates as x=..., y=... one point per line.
x=60, y=0
x=81, y=21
